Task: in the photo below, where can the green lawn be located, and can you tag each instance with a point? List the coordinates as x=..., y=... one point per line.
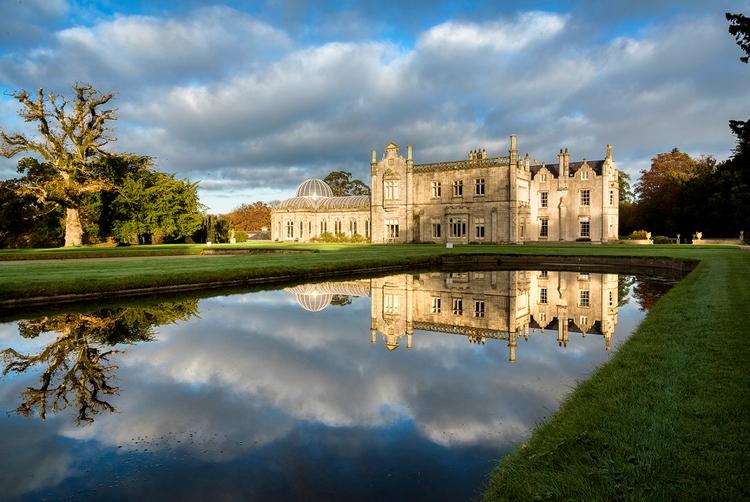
x=132, y=251
x=665, y=418
x=26, y=276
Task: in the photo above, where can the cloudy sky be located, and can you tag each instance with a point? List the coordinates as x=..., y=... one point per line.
x=250, y=98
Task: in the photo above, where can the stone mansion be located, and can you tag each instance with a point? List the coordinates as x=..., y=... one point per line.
x=482, y=199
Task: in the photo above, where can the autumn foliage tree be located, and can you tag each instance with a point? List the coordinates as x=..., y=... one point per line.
x=661, y=191
x=71, y=134
x=249, y=217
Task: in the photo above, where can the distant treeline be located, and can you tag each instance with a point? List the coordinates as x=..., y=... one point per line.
x=683, y=195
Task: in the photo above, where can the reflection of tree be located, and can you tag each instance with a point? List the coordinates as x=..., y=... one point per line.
x=77, y=362
x=341, y=300
x=648, y=291
x=623, y=288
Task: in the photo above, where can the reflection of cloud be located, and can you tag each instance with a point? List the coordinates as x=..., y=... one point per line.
x=321, y=368
x=30, y=458
x=255, y=374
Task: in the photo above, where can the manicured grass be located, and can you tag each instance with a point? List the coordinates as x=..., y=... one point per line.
x=132, y=251
x=31, y=278
x=666, y=418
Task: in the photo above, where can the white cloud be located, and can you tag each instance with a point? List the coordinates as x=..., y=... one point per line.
x=219, y=96
x=500, y=36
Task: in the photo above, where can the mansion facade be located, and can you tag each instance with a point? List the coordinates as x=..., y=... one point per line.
x=482, y=199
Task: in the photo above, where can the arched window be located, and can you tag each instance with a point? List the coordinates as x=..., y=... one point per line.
x=290, y=230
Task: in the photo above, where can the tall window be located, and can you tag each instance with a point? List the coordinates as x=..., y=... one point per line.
x=436, y=230
x=289, y=230
x=542, y=295
x=391, y=304
x=544, y=228
x=435, y=304
x=585, y=197
x=585, y=228
x=523, y=230
x=391, y=229
x=478, y=308
x=337, y=227
x=583, y=299
x=542, y=316
x=543, y=178
x=352, y=227
x=323, y=226
x=391, y=189
x=367, y=228
x=583, y=321
x=479, y=228
x=584, y=175
x=309, y=228
x=543, y=199
x=458, y=306
x=479, y=186
x=457, y=227
x=436, y=189
x=300, y=229
x=458, y=188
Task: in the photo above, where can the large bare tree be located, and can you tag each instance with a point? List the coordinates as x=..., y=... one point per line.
x=69, y=139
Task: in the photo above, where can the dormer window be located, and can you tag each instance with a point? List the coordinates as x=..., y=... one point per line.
x=584, y=175
x=543, y=178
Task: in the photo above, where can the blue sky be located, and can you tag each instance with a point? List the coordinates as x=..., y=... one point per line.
x=252, y=98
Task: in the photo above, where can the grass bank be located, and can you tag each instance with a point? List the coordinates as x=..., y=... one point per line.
x=30, y=278
x=666, y=418
x=137, y=251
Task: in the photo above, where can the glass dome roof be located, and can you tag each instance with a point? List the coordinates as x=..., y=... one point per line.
x=314, y=188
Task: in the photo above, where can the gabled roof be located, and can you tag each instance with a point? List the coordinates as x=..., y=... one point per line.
x=596, y=165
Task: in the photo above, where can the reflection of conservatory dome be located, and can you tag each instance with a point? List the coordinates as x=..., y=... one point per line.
x=314, y=188
x=316, y=297
x=310, y=297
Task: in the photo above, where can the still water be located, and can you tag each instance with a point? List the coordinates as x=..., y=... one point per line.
x=407, y=387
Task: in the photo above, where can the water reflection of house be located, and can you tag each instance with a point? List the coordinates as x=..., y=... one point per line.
x=501, y=305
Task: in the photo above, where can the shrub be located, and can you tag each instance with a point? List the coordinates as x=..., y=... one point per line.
x=660, y=239
x=328, y=237
x=639, y=235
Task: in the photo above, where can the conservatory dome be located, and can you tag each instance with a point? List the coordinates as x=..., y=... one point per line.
x=314, y=188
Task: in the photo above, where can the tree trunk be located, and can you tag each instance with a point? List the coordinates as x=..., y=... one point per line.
x=73, y=230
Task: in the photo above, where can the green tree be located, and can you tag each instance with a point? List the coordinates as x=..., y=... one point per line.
x=626, y=191
x=739, y=28
x=342, y=184
x=99, y=211
x=69, y=139
x=155, y=207
x=26, y=222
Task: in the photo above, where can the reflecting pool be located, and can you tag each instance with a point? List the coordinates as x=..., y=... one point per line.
x=406, y=387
